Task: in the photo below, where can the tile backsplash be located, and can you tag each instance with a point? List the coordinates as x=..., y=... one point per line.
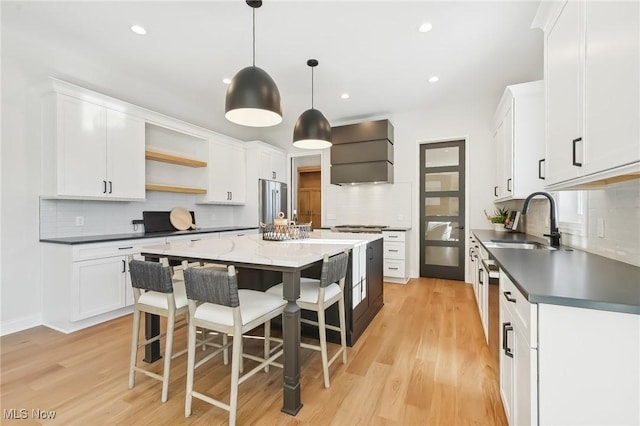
x=618, y=208
x=381, y=204
x=58, y=217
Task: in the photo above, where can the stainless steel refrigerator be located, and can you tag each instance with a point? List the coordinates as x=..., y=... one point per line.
x=272, y=199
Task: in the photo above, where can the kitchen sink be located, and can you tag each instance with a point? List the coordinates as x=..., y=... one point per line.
x=526, y=245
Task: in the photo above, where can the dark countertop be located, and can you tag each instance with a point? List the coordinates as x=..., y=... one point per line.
x=567, y=276
x=86, y=239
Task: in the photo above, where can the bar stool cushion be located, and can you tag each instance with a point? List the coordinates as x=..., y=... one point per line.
x=309, y=289
x=159, y=300
x=253, y=304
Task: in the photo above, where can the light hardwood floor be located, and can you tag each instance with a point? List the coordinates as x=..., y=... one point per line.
x=422, y=361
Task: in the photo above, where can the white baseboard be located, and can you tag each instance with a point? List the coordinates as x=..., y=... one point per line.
x=13, y=326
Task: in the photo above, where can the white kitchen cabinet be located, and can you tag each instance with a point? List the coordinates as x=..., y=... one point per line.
x=227, y=172
x=88, y=283
x=395, y=256
x=519, y=141
x=90, y=151
x=518, y=355
x=592, y=77
x=262, y=161
x=272, y=164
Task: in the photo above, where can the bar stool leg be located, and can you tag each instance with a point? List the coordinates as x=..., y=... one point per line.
x=323, y=346
x=171, y=319
x=191, y=362
x=135, y=335
x=343, y=328
x=267, y=346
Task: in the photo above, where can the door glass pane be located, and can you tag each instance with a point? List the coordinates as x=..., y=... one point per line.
x=441, y=206
x=443, y=256
x=440, y=157
x=442, y=231
x=446, y=181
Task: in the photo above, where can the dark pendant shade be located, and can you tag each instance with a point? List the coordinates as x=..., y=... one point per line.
x=312, y=130
x=253, y=99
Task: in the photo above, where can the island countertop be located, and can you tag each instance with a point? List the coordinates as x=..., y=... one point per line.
x=252, y=249
x=567, y=276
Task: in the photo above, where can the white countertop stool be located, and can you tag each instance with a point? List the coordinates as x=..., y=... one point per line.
x=318, y=295
x=216, y=304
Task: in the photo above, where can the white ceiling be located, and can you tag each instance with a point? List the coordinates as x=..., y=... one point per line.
x=372, y=50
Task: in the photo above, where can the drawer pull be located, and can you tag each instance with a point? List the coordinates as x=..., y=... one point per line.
x=506, y=328
x=125, y=248
x=395, y=251
x=507, y=295
x=392, y=236
x=197, y=239
x=393, y=269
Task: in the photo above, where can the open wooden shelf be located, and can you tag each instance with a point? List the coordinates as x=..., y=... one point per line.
x=173, y=159
x=168, y=188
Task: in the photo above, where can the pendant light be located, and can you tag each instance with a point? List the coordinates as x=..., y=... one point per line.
x=253, y=99
x=312, y=130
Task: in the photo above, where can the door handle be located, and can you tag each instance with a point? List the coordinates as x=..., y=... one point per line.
x=124, y=266
x=506, y=328
x=104, y=186
x=480, y=276
x=230, y=195
x=540, y=168
x=110, y=187
x=575, y=142
x=495, y=191
x=509, y=185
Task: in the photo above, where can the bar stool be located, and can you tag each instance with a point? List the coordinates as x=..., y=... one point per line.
x=317, y=296
x=216, y=304
x=155, y=292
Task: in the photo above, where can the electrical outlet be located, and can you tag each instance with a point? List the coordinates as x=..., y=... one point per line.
x=600, y=227
x=79, y=220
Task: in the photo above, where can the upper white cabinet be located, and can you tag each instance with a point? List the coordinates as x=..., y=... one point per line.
x=91, y=151
x=227, y=172
x=272, y=163
x=519, y=141
x=592, y=75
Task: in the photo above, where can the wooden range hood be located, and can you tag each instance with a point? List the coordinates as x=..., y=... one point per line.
x=362, y=153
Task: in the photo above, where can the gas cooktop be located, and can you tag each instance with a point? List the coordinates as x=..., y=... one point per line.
x=372, y=229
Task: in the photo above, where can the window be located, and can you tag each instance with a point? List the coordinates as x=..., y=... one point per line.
x=572, y=218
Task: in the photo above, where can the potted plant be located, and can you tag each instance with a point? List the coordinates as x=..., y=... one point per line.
x=498, y=218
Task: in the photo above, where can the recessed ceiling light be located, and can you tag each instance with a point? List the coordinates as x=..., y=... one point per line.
x=425, y=28
x=434, y=79
x=138, y=29
x=226, y=80
x=345, y=96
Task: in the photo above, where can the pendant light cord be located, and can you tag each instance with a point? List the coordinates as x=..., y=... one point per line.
x=311, y=87
x=254, y=36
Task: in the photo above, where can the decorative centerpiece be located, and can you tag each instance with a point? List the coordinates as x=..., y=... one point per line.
x=281, y=229
x=498, y=218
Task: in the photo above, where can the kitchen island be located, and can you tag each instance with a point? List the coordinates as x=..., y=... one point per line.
x=288, y=257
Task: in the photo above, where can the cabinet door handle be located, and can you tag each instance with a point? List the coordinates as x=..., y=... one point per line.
x=540, y=168
x=506, y=328
x=480, y=276
x=370, y=249
x=575, y=162
x=124, y=266
x=273, y=174
x=230, y=195
x=507, y=295
x=509, y=185
x=104, y=186
x=125, y=248
x=495, y=191
x=110, y=187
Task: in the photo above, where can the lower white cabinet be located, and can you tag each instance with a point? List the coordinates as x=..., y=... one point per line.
x=518, y=355
x=395, y=256
x=87, y=283
x=562, y=365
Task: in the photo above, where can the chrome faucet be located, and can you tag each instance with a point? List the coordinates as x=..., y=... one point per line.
x=554, y=234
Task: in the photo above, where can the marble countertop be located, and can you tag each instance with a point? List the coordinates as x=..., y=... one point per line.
x=567, y=276
x=252, y=249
